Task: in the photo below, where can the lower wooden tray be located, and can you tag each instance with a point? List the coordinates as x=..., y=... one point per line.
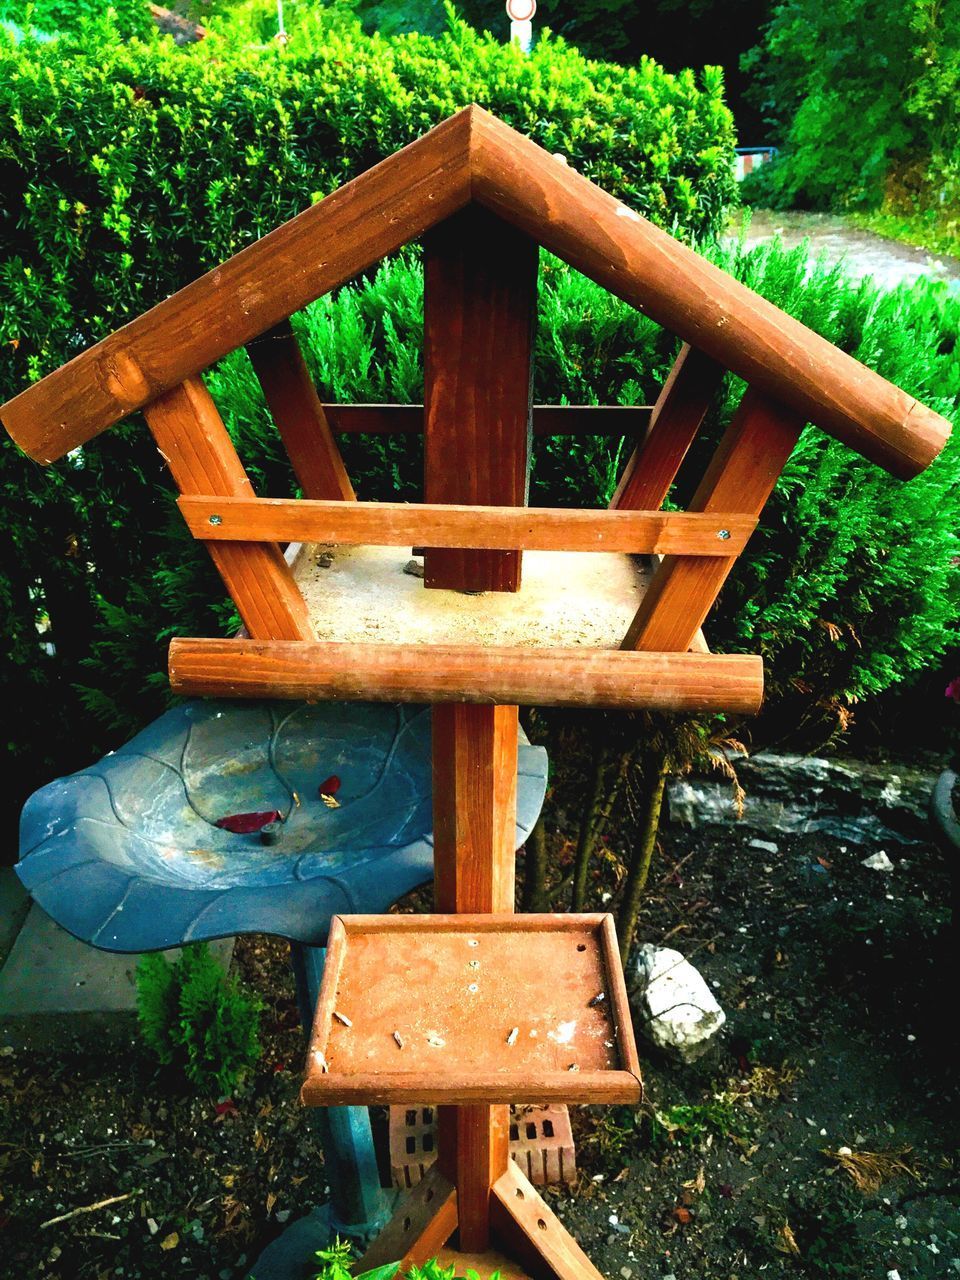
x=472, y=1008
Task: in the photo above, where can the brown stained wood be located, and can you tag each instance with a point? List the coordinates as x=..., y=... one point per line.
x=296, y=409
x=474, y=751
x=747, y=463
x=441, y=525
x=196, y=447
x=548, y=419
x=474, y=156
x=317, y=251
x=532, y=1232
x=476, y=977
x=682, y=682
x=674, y=423
x=480, y=288
x=421, y=1226
x=700, y=303
x=474, y=806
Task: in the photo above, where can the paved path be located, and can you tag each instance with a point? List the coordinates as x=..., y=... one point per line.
x=864, y=254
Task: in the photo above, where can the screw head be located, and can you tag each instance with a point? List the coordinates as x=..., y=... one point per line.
x=723, y=534
x=219, y=520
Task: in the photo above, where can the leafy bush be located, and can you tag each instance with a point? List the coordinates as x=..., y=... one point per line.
x=864, y=99
x=337, y=1262
x=129, y=166
x=196, y=1019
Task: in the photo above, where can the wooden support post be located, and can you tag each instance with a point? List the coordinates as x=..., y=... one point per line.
x=474, y=825
x=296, y=409
x=741, y=475
x=196, y=447
x=680, y=409
x=480, y=286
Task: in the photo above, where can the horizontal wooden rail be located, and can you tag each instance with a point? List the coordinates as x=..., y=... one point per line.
x=548, y=419
x=434, y=524
x=687, y=682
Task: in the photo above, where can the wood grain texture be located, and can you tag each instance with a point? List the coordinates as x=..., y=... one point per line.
x=548, y=419
x=474, y=806
x=296, y=409
x=317, y=251
x=479, y=305
x=533, y=1233
x=196, y=447
x=474, y=156
x=677, y=416
x=747, y=464
x=474, y=750
x=688, y=682
x=405, y=524
x=563, y=962
x=423, y=1223
x=697, y=301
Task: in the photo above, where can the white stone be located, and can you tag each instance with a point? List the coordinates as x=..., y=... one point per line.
x=674, y=1007
x=878, y=862
x=766, y=845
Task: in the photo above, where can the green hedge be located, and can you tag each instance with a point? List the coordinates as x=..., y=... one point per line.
x=129, y=166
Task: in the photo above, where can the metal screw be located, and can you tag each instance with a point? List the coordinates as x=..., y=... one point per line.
x=723, y=534
x=219, y=520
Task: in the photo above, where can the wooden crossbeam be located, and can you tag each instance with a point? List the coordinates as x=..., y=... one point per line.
x=533, y=1233
x=744, y=468
x=480, y=288
x=421, y=1226
x=299, y=416
x=467, y=673
x=674, y=423
x=196, y=447
x=441, y=525
x=548, y=419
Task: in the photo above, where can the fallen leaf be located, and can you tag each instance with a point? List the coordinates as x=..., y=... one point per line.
x=243, y=824
x=227, y=1108
x=682, y=1215
x=170, y=1242
x=329, y=787
x=329, y=801
x=787, y=1242
x=271, y=1201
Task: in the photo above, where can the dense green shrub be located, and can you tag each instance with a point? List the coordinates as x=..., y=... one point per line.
x=864, y=99
x=196, y=1019
x=127, y=168
x=851, y=583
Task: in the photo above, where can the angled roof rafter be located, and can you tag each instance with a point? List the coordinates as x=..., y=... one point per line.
x=474, y=156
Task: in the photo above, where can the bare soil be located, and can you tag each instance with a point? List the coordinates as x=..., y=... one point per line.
x=840, y=992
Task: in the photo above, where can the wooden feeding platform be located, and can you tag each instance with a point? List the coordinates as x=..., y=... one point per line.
x=516, y=605
x=472, y=1008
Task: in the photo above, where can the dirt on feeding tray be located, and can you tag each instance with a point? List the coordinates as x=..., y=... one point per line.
x=837, y=985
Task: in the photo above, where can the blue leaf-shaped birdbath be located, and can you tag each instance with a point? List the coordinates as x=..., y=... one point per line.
x=127, y=854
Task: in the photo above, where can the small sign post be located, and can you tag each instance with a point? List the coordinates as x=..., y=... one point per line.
x=520, y=13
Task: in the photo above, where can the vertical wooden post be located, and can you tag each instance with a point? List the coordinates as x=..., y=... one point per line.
x=480, y=286
x=474, y=828
x=479, y=310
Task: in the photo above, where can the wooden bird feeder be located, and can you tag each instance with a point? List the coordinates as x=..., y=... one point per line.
x=575, y=607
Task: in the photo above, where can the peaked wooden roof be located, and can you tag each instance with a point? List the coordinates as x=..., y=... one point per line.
x=473, y=156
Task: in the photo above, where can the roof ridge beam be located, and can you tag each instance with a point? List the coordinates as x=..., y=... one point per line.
x=699, y=302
